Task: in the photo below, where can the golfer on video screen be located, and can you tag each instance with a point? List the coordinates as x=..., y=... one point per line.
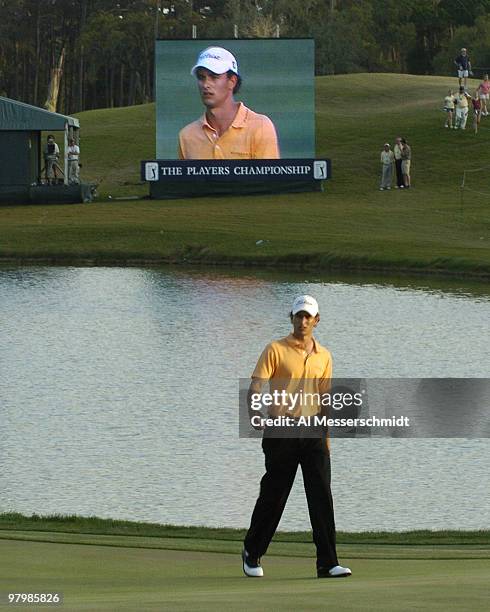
x=297, y=361
x=228, y=129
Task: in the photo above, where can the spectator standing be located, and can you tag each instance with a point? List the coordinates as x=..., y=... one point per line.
x=484, y=93
x=73, y=165
x=461, y=102
x=51, y=155
x=397, y=150
x=464, y=66
x=476, y=103
x=449, y=109
x=387, y=159
x=406, y=163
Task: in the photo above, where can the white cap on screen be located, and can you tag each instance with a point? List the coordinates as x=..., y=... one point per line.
x=216, y=59
x=306, y=303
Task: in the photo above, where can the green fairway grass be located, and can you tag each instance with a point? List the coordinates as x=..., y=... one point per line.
x=105, y=564
x=352, y=225
x=116, y=577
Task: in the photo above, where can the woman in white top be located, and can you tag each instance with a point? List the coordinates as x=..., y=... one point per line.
x=449, y=109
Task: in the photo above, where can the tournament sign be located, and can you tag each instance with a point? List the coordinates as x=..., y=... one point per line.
x=171, y=178
x=270, y=144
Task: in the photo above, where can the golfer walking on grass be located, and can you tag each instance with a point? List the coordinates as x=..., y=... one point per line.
x=296, y=361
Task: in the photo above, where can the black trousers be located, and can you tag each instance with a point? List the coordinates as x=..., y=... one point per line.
x=399, y=173
x=282, y=457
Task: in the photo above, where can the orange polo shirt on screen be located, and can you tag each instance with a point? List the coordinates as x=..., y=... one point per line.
x=250, y=136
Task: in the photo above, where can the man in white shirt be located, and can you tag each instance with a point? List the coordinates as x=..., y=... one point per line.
x=73, y=166
x=461, y=103
x=387, y=159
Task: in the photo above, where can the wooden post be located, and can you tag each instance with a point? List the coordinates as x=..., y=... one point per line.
x=65, y=178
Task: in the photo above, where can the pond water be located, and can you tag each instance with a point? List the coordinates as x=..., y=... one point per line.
x=112, y=380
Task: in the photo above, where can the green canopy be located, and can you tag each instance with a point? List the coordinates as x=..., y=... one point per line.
x=19, y=116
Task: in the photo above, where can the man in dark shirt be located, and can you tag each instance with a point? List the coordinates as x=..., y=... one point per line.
x=464, y=66
x=51, y=155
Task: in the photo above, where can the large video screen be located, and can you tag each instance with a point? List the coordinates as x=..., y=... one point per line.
x=272, y=114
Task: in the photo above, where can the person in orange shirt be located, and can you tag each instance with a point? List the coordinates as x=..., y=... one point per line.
x=228, y=129
x=296, y=361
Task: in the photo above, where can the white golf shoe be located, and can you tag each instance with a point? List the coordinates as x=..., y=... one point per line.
x=251, y=567
x=334, y=572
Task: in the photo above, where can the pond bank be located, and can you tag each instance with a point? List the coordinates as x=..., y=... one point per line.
x=319, y=264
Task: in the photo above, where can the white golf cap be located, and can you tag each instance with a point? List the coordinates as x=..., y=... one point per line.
x=216, y=59
x=306, y=303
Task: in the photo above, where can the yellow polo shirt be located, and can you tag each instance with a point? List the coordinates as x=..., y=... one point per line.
x=250, y=136
x=461, y=100
x=288, y=366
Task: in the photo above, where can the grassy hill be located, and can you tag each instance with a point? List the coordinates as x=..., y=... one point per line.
x=351, y=225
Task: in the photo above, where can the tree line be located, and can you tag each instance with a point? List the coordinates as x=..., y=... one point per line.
x=73, y=55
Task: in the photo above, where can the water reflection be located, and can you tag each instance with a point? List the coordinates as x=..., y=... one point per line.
x=113, y=379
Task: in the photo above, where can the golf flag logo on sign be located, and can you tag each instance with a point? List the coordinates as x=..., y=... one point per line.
x=320, y=169
x=151, y=171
